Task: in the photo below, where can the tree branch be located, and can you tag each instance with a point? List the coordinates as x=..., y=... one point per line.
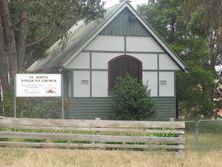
x=21, y=43
x=38, y=40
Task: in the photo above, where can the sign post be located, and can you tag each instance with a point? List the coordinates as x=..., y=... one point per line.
x=15, y=97
x=39, y=85
x=62, y=87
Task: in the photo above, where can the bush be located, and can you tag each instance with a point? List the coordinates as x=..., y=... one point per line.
x=131, y=100
x=38, y=107
x=41, y=108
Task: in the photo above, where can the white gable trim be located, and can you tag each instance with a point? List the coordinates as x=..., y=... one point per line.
x=93, y=36
x=177, y=60
x=158, y=39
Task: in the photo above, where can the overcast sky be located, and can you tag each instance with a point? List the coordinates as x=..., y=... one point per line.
x=134, y=3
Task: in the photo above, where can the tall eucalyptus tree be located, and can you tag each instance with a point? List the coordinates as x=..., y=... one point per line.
x=29, y=27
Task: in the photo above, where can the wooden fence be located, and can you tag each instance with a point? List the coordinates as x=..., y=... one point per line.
x=52, y=133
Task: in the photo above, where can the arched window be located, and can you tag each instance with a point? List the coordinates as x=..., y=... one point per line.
x=122, y=65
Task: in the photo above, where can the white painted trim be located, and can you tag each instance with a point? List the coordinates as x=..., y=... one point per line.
x=144, y=23
x=160, y=41
x=94, y=36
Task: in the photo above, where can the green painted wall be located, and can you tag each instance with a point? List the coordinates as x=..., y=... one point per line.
x=125, y=24
x=166, y=108
x=90, y=108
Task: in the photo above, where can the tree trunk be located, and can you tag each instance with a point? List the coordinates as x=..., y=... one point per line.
x=212, y=44
x=10, y=37
x=3, y=62
x=1, y=108
x=4, y=82
x=21, y=43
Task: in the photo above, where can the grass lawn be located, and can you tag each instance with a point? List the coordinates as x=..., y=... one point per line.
x=90, y=158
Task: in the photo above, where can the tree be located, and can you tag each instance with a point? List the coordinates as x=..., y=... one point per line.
x=131, y=100
x=27, y=28
x=25, y=24
x=218, y=99
x=204, y=18
x=194, y=90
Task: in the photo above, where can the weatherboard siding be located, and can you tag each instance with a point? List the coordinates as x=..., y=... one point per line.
x=125, y=24
x=166, y=108
x=124, y=35
x=90, y=73
x=91, y=108
x=91, y=65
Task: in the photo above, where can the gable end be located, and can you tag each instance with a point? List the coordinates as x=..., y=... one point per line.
x=114, y=26
x=125, y=24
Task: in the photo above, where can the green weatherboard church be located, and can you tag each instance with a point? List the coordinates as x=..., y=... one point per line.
x=121, y=42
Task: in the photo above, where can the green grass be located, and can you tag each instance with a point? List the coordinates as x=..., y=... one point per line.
x=210, y=134
x=84, y=132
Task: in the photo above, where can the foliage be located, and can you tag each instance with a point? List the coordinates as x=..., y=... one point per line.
x=218, y=99
x=204, y=18
x=194, y=89
x=28, y=28
x=171, y=21
x=42, y=108
x=131, y=100
x=194, y=92
x=49, y=20
x=163, y=16
x=32, y=107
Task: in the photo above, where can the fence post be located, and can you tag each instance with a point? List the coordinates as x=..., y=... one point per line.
x=197, y=134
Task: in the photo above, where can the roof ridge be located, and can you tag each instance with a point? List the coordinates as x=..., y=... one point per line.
x=55, y=51
x=85, y=33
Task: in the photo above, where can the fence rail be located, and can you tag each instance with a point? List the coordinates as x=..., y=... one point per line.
x=51, y=133
x=203, y=134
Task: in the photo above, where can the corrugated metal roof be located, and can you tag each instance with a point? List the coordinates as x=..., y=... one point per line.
x=80, y=35
x=76, y=37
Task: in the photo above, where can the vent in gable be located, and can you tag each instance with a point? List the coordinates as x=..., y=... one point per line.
x=132, y=18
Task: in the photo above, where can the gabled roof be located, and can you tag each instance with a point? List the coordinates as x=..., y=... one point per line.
x=82, y=34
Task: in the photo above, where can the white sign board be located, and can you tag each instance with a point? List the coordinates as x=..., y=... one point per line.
x=38, y=85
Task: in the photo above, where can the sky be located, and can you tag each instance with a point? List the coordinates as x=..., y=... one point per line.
x=134, y=3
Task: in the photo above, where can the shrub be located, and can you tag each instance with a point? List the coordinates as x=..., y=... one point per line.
x=131, y=100
x=38, y=107
x=41, y=108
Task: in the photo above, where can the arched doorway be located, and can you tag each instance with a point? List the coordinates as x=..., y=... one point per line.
x=122, y=65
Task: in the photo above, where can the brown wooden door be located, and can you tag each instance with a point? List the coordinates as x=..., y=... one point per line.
x=123, y=65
